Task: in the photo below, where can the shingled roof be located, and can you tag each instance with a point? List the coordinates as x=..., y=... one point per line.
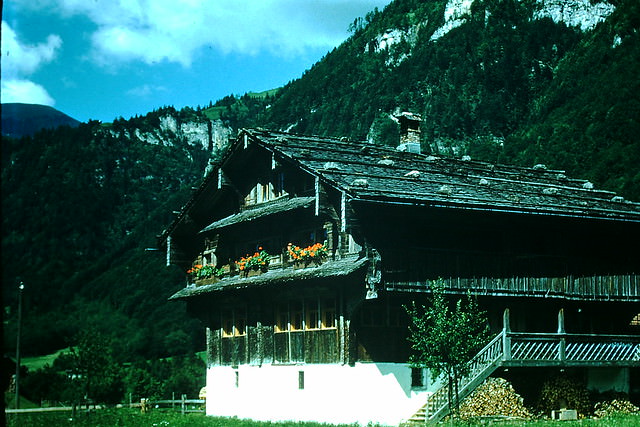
x=339, y=268
x=262, y=210
x=374, y=173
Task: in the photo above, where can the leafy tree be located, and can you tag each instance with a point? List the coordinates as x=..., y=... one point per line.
x=141, y=383
x=444, y=340
x=44, y=384
x=187, y=374
x=94, y=369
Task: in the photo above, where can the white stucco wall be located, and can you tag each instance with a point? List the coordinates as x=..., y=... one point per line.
x=367, y=392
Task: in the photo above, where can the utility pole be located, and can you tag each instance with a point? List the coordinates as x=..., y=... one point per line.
x=20, y=289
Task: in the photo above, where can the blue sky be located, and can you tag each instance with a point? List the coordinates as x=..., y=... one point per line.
x=102, y=59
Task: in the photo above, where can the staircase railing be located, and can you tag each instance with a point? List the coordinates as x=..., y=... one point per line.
x=537, y=349
x=481, y=366
x=516, y=349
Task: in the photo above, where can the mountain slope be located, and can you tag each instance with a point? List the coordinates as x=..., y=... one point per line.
x=26, y=119
x=522, y=82
x=80, y=206
x=526, y=82
x=588, y=118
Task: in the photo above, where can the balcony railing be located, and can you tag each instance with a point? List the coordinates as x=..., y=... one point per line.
x=516, y=349
x=572, y=350
x=612, y=287
x=291, y=256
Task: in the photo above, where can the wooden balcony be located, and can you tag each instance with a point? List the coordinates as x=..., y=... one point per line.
x=570, y=350
x=516, y=349
x=596, y=288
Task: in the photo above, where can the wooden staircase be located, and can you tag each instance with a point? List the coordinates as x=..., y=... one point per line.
x=511, y=349
x=482, y=365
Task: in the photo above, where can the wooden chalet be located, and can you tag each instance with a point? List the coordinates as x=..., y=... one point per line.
x=309, y=335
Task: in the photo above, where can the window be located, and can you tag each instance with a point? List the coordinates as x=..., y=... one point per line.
x=329, y=314
x=234, y=322
x=279, y=187
x=310, y=236
x=300, y=380
x=635, y=321
x=282, y=318
x=417, y=377
x=240, y=321
x=296, y=316
x=310, y=314
x=312, y=320
x=227, y=323
x=265, y=191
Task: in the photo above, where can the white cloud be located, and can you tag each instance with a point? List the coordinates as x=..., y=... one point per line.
x=19, y=61
x=174, y=30
x=25, y=91
x=145, y=91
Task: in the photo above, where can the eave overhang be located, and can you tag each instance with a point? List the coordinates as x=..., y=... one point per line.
x=331, y=269
x=261, y=211
x=496, y=207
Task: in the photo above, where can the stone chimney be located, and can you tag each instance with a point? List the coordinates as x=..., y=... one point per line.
x=409, y=132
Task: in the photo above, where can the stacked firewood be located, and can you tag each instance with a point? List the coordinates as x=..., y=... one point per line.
x=564, y=393
x=614, y=406
x=495, y=397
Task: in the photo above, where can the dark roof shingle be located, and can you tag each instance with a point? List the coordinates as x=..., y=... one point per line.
x=378, y=173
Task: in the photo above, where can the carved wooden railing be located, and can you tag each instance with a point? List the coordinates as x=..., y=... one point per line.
x=613, y=287
x=528, y=349
x=533, y=350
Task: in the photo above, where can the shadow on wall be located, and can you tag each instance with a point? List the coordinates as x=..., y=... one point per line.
x=401, y=374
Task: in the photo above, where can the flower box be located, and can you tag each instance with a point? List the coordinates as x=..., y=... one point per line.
x=207, y=281
x=311, y=256
x=253, y=265
x=205, y=274
x=300, y=264
x=252, y=272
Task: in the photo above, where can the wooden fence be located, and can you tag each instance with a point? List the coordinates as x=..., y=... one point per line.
x=183, y=404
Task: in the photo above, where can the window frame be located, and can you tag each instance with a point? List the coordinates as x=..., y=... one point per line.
x=306, y=314
x=281, y=321
x=296, y=316
x=229, y=322
x=312, y=315
x=326, y=309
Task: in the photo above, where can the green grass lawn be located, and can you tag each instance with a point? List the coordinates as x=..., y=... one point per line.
x=38, y=362
x=133, y=418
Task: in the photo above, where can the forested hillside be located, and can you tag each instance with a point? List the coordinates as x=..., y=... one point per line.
x=501, y=80
x=25, y=119
x=79, y=208
x=521, y=82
